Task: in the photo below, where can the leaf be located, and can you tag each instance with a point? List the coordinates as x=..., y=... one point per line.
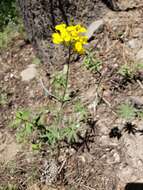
x=71, y=133
x=125, y=71
x=52, y=134
x=36, y=146
x=91, y=63
x=36, y=61
x=15, y=124
x=28, y=128
x=24, y=115
x=37, y=119
x=79, y=108
x=126, y=111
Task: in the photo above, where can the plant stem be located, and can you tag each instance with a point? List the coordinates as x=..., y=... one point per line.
x=60, y=118
x=67, y=76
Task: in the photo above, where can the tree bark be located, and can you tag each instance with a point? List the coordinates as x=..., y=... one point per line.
x=40, y=17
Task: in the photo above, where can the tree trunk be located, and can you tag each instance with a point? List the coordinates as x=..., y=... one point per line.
x=40, y=17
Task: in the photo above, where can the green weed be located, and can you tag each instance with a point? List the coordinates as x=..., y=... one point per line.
x=8, y=13
x=126, y=111
x=59, y=80
x=91, y=63
x=80, y=108
x=126, y=71
x=9, y=33
x=36, y=61
x=27, y=124
x=129, y=71
x=3, y=99
x=9, y=187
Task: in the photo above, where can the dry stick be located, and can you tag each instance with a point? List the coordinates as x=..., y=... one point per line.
x=63, y=164
x=101, y=97
x=49, y=93
x=140, y=84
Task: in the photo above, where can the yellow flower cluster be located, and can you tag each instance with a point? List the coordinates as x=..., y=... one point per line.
x=70, y=36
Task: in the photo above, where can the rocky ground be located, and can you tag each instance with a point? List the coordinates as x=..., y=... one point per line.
x=102, y=162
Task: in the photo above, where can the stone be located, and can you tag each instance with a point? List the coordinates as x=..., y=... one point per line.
x=29, y=73
x=113, y=157
x=139, y=55
x=123, y=4
x=95, y=27
x=33, y=187
x=136, y=101
x=8, y=148
x=134, y=44
x=132, y=168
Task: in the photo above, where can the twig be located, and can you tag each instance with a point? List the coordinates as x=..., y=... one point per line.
x=49, y=93
x=90, y=188
x=60, y=169
x=108, y=104
x=140, y=84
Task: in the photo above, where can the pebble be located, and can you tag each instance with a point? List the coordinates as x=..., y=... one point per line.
x=95, y=27
x=139, y=55
x=29, y=73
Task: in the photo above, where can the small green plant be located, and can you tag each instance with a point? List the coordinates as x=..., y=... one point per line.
x=8, y=13
x=81, y=110
x=126, y=111
x=36, y=61
x=3, y=99
x=59, y=84
x=91, y=63
x=56, y=134
x=27, y=124
x=9, y=187
x=70, y=132
x=9, y=33
x=138, y=66
x=126, y=71
x=59, y=80
x=129, y=71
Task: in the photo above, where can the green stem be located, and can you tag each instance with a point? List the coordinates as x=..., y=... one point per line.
x=65, y=89
x=67, y=77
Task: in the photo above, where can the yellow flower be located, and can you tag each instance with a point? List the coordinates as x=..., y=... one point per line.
x=60, y=27
x=67, y=38
x=57, y=38
x=83, y=39
x=70, y=28
x=80, y=29
x=70, y=35
x=78, y=47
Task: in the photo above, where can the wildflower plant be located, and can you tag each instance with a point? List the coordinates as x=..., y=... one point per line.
x=61, y=127
x=72, y=37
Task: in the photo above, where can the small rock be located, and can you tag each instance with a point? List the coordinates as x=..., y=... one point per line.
x=116, y=157
x=29, y=73
x=139, y=56
x=137, y=102
x=33, y=187
x=134, y=44
x=48, y=188
x=96, y=26
x=126, y=174
x=113, y=157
